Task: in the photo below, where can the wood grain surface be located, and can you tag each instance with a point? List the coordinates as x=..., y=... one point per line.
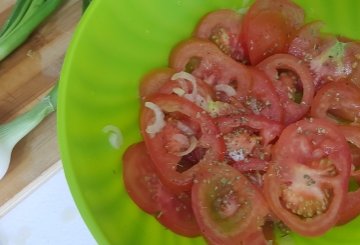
x=25, y=77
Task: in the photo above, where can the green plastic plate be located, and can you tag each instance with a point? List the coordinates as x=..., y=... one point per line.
x=115, y=43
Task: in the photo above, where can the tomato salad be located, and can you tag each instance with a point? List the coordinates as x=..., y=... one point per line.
x=254, y=123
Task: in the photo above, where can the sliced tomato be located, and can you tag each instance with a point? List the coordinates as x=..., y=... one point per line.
x=176, y=213
x=290, y=77
x=293, y=13
x=172, y=210
x=140, y=180
x=168, y=138
x=268, y=130
x=223, y=27
x=226, y=205
x=352, y=136
x=262, y=98
x=268, y=27
x=247, y=139
x=329, y=58
x=338, y=102
x=212, y=66
x=189, y=87
x=307, y=182
x=309, y=42
x=153, y=81
x=351, y=208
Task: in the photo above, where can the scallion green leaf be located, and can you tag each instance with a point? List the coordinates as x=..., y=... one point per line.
x=24, y=18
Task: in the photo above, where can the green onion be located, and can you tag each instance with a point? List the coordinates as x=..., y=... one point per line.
x=24, y=18
x=12, y=132
x=86, y=4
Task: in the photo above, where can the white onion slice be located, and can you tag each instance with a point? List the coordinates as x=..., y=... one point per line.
x=192, y=146
x=227, y=89
x=179, y=91
x=187, y=76
x=184, y=128
x=159, y=121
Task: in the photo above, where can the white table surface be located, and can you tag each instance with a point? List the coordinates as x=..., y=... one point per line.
x=47, y=216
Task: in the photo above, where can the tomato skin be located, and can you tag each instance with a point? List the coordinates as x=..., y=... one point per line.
x=268, y=26
x=166, y=162
x=271, y=67
x=341, y=99
x=151, y=82
x=353, y=54
x=297, y=159
x=223, y=27
x=140, y=179
x=220, y=211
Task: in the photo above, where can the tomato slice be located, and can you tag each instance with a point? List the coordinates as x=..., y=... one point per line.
x=249, y=87
x=329, y=58
x=140, y=180
x=248, y=141
x=338, y=102
x=151, y=82
x=293, y=13
x=260, y=99
x=353, y=56
x=263, y=99
x=176, y=213
x=226, y=205
x=268, y=26
x=169, y=139
x=307, y=181
x=352, y=135
x=143, y=185
x=223, y=27
x=290, y=77
x=351, y=208
x=268, y=130
x=309, y=42
x=212, y=65
x=189, y=87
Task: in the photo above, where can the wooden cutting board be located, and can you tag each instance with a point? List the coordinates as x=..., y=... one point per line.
x=25, y=77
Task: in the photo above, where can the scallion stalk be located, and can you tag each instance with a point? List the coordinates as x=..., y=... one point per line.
x=24, y=18
x=12, y=132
